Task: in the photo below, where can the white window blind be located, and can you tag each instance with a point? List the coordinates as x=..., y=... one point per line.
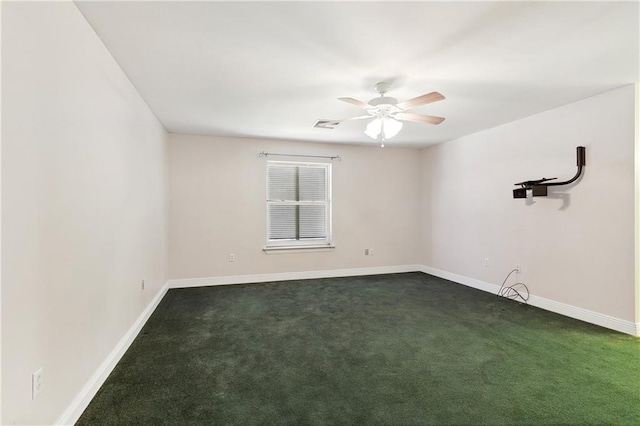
x=298, y=203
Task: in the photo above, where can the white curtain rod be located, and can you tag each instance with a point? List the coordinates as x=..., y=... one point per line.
x=332, y=157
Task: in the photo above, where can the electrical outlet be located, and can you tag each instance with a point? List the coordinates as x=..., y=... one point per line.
x=370, y=252
x=232, y=257
x=36, y=383
x=142, y=285
x=486, y=262
x=366, y=252
x=518, y=269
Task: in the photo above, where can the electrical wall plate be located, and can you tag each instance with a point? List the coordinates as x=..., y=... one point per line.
x=37, y=383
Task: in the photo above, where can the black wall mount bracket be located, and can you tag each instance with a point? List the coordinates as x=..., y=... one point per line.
x=539, y=187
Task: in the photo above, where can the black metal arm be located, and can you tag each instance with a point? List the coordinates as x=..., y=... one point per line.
x=539, y=186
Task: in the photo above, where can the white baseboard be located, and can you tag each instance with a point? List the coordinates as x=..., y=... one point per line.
x=461, y=279
x=84, y=397
x=286, y=276
x=586, y=315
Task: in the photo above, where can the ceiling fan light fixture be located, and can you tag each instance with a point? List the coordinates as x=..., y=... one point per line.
x=375, y=127
x=391, y=127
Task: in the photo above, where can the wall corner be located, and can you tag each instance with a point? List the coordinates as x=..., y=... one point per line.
x=637, y=206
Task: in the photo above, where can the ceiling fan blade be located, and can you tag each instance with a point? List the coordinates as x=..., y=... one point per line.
x=419, y=118
x=421, y=100
x=355, y=102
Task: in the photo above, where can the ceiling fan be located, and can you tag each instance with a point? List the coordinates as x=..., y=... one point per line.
x=387, y=113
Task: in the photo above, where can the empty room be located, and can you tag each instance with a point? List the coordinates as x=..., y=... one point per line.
x=319, y=213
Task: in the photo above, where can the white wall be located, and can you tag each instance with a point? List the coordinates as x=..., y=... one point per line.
x=576, y=246
x=83, y=206
x=637, y=205
x=217, y=206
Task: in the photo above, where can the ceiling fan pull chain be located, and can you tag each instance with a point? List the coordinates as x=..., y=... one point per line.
x=382, y=134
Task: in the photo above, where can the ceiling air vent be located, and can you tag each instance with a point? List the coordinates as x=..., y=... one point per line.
x=326, y=124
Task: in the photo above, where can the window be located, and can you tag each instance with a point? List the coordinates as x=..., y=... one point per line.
x=298, y=204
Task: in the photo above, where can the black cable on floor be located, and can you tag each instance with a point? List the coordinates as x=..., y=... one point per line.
x=510, y=292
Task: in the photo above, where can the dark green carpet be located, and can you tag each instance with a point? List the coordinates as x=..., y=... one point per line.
x=386, y=349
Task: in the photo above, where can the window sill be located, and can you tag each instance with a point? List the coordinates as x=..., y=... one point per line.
x=298, y=249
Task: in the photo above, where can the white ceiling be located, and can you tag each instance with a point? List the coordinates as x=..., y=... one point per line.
x=271, y=69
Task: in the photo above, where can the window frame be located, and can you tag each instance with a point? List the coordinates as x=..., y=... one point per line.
x=294, y=244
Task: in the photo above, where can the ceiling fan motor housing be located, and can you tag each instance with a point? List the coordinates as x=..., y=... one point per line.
x=383, y=100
